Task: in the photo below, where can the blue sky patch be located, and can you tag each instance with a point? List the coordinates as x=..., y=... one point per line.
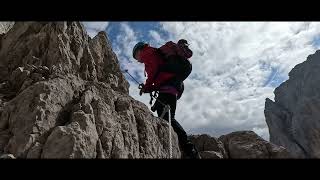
x=316, y=42
x=275, y=78
x=140, y=28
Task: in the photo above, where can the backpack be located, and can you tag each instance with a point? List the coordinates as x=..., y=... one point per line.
x=176, y=57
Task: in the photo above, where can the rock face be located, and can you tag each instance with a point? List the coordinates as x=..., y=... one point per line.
x=293, y=119
x=62, y=95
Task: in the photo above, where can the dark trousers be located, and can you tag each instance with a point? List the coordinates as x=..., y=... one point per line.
x=172, y=101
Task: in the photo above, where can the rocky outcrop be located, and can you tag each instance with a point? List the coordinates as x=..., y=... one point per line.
x=209, y=147
x=7, y=156
x=293, y=118
x=238, y=145
x=63, y=96
x=5, y=27
x=248, y=145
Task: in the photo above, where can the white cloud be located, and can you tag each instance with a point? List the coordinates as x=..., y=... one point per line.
x=156, y=39
x=93, y=28
x=125, y=41
x=231, y=63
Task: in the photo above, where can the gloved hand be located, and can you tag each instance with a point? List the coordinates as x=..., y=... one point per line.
x=141, y=87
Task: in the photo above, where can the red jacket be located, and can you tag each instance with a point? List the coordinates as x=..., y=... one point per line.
x=153, y=61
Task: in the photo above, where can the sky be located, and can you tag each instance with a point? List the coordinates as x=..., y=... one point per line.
x=236, y=66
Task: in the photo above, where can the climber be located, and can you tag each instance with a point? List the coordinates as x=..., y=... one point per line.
x=166, y=76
